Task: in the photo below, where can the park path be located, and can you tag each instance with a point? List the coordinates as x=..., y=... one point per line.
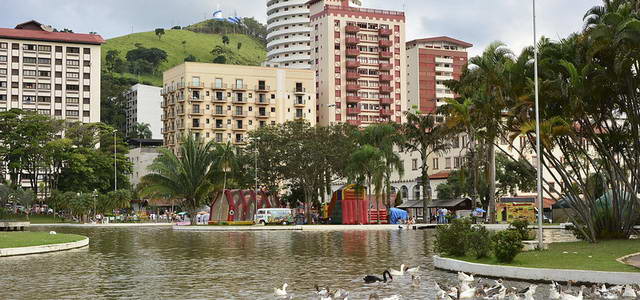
x=633, y=260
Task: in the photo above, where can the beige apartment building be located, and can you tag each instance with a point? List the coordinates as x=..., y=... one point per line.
x=51, y=73
x=358, y=56
x=224, y=102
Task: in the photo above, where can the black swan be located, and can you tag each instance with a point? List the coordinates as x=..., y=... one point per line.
x=374, y=279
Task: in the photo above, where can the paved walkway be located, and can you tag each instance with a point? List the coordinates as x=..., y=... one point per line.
x=633, y=260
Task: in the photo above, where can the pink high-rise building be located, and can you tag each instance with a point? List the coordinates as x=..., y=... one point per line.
x=358, y=56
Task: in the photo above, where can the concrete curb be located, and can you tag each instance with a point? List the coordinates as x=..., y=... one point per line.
x=237, y=228
x=43, y=248
x=106, y=225
x=623, y=260
x=535, y=274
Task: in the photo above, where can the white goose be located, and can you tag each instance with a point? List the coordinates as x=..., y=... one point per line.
x=629, y=292
x=465, y=278
x=554, y=291
x=565, y=296
x=469, y=293
x=412, y=270
x=396, y=272
x=281, y=292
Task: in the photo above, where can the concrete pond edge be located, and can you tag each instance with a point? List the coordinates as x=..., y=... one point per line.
x=535, y=274
x=4, y=252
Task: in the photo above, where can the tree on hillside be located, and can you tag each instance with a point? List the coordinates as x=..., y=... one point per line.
x=146, y=60
x=239, y=45
x=113, y=62
x=190, y=57
x=184, y=45
x=159, y=32
x=177, y=27
x=225, y=39
x=112, y=100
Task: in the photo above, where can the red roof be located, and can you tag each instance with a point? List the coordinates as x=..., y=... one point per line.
x=442, y=39
x=41, y=35
x=440, y=175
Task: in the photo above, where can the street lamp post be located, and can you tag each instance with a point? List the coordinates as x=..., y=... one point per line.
x=256, y=140
x=115, y=162
x=538, y=152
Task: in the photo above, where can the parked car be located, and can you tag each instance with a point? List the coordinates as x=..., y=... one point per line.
x=266, y=216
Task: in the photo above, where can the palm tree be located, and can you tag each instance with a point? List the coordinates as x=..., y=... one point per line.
x=225, y=161
x=141, y=131
x=490, y=73
x=422, y=134
x=385, y=137
x=366, y=168
x=187, y=177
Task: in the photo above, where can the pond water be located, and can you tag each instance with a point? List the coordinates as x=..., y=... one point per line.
x=153, y=263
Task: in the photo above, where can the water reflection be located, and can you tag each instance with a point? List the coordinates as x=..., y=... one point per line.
x=151, y=263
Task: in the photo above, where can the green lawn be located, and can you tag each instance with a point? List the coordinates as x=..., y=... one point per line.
x=199, y=45
x=38, y=219
x=33, y=238
x=577, y=255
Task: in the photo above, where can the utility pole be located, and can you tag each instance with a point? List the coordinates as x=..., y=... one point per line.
x=115, y=162
x=538, y=152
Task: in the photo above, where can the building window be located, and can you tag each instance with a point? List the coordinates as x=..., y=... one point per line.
x=58, y=48
x=456, y=162
x=85, y=113
x=414, y=164
x=447, y=163
x=86, y=101
x=435, y=164
x=73, y=113
x=73, y=62
x=87, y=50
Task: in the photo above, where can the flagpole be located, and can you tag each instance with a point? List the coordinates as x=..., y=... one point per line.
x=539, y=153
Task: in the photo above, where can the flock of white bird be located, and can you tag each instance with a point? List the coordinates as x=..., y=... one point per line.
x=470, y=288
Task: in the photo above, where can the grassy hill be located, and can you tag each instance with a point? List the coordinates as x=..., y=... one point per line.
x=199, y=45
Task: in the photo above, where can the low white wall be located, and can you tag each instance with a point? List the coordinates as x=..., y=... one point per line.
x=43, y=248
x=536, y=274
x=105, y=225
x=236, y=228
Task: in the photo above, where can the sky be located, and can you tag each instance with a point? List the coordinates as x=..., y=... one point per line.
x=479, y=22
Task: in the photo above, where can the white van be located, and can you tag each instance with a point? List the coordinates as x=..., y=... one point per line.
x=265, y=216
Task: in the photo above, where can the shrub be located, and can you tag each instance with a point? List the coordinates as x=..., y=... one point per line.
x=479, y=242
x=507, y=245
x=450, y=239
x=522, y=227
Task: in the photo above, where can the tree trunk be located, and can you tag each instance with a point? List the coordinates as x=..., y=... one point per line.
x=474, y=169
x=492, y=184
x=224, y=186
x=426, y=196
x=307, y=204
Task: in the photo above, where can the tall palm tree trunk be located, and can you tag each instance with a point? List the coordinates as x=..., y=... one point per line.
x=224, y=186
x=492, y=183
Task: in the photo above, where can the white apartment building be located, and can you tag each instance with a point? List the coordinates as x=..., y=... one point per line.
x=144, y=105
x=141, y=157
x=51, y=73
x=288, y=37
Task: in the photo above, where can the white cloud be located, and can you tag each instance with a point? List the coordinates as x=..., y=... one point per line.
x=476, y=21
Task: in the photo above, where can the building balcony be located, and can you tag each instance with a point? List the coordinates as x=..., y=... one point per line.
x=300, y=90
x=299, y=103
x=197, y=112
x=353, y=75
x=386, y=89
x=386, y=77
x=386, y=112
x=385, y=43
x=385, y=66
x=222, y=86
x=240, y=114
x=351, y=29
x=242, y=128
x=222, y=100
x=353, y=111
x=300, y=116
x=385, y=31
x=353, y=99
x=353, y=64
x=263, y=101
x=180, y=113
x=219, y=113
x=386, y=101
x=197, y=127
x=352, y=52
x=199, y=98
x=262, y=115
x=386, y=54
x=351, y=40
x=195, y=85
x=262, y=88
x=238, y=87
x=353, y=87
x=239, y=142
x=354, y=122
x=220, y=127
x=180, y=99
x=239, y=101
x=180, y=85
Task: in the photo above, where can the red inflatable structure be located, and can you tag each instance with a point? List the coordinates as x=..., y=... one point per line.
x=349, y=205
x=239, y=205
